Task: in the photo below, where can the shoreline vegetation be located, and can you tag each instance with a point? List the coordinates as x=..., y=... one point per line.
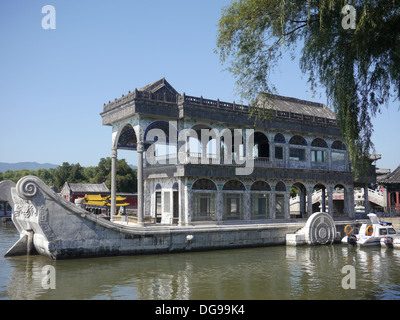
x=75, y=173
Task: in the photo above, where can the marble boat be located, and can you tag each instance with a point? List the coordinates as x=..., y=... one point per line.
x=56, y=228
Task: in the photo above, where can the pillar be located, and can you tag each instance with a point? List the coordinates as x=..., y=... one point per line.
x=287, y=205
x=181, y=190
x=247, y=205
x=323, y=200
x=309, y=201
x=272, y=153
x=329, y=159
x=140, y=149
x=366, y=201
x=330, y=200
x=273, y=203
x=113, y=181
x=219, y=204
x=350, y=202
x=189, y=211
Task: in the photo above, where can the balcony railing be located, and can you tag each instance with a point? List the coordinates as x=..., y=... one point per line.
x=198, y=158
x=209, y=158
x=191, y=100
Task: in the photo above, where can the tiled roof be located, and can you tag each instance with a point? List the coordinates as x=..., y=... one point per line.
x=393, y=177
x=294, y=105
x=88, y=188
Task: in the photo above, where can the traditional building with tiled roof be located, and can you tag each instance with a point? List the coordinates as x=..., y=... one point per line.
x=392, y=183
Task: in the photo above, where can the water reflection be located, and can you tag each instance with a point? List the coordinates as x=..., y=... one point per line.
x=258, y=273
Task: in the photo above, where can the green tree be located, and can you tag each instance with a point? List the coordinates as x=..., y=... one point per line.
x=62, y=174
x=45, y=175
x=102, y=171
x=126, y=176
x=76, y=174
x=359, y=68
x=89, y=173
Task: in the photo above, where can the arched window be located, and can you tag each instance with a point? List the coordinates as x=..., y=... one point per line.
x=203, y=201
x=318, y=155
x=233, y=201
x=280, y=186
x=297, y=154
x=320, y=143
x=162, y=130
x=127, y=138
x=260, y=186
x=338, y=153
x=338, y=145
x=234, y=185
x=204, y=184
x=298, y=140
x=279, y=138
x=260, y=200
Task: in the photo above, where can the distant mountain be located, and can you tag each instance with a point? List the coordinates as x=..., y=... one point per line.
x=25, y=165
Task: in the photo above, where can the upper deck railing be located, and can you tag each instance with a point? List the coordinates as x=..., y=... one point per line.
x=200, y=101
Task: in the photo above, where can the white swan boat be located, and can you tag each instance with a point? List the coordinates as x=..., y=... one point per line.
x=370, y=234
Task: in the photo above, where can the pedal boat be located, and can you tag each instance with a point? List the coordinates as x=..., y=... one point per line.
x=371, y=234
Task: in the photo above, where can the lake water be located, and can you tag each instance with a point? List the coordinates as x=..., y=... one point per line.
x=242, y=274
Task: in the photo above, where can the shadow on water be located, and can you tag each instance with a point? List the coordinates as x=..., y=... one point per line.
x=257, y=273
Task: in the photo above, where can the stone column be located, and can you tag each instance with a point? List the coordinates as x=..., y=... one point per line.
x=287, y=205
x=350, y=202
x=366, y=201
x=182, y=204
x=219, y=206
x=140, y=149
x=303, y=208
x=286, y=154
x=272, y=153
x=247, y=205
x=189, y=213
x=323, y=200
x=309, y=201
x=273, y=203
x=330, y=201
x=329, y=158
x=113, y=181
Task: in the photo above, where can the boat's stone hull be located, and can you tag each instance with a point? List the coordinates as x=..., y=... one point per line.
x=58, y=229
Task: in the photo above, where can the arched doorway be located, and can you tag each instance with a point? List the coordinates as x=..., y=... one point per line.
x=204, y=146
x=160, y=141
x=319, y=198
x=260, y=149
x=340, y=201
x=298, y=201
x=126, y=139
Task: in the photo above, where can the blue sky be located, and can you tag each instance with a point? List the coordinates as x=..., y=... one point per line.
x=53, y=83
